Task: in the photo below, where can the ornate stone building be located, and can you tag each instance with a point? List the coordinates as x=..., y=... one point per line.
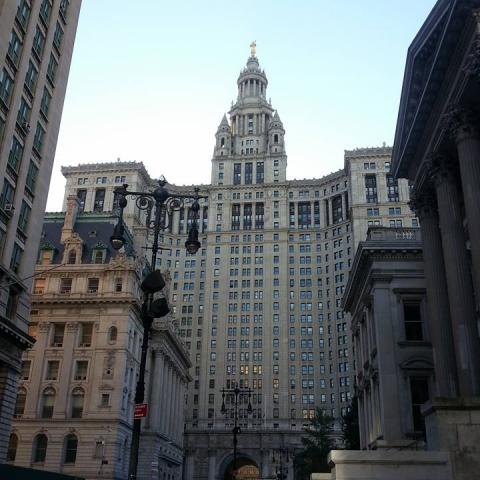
x=75, y=401
x=385, y=297
x=437, y=147
x=260, y=303
x=36, y=44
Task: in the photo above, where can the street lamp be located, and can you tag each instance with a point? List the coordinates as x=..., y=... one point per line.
x=281, y=457
x=158, y=205
x=236, y=429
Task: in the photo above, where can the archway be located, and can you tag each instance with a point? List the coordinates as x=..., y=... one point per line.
x=246, y=469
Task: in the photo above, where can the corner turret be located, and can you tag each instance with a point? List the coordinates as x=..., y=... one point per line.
x=276, y=134
x=223, y=138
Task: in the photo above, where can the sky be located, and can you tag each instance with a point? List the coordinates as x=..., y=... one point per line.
x=151, y=79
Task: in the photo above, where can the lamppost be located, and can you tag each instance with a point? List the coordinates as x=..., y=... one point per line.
x=281, y=457
x=236, y=430
x=158, y=204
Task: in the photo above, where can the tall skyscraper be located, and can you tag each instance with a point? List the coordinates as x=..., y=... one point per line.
x=36, y=44
x=259, y=305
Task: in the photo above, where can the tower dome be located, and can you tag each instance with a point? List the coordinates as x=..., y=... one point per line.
x=252, y=81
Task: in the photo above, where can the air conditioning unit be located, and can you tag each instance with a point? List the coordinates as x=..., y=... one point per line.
x=9, y=209
x=26, y=126
x=58, y=344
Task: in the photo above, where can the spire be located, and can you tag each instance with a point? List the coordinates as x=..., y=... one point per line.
x=252, y=81
x=224, y=126
x=275, y=122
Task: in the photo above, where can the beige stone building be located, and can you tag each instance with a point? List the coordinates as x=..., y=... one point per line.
x=36, y=43
x=260, y=303
x=75, y=401
x=386, y=298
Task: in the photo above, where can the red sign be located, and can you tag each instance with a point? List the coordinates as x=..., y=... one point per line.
x=141, y=410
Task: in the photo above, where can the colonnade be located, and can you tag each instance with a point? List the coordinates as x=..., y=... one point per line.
x=451, y=194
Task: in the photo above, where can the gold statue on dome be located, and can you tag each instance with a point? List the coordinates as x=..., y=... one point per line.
x=253, y=48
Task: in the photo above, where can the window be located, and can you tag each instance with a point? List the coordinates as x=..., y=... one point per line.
x=81, y=195
x=57, y=37
x=52, y=69
x=25, y=373
x=45, y=10
x=112, y=335
x=20, y=403
x=105, y=400
x=23, y=115
x=392, y=189
x=6, y=85
x=86, y=334
x=16, y=258
x=92, y=286
x=371, y=188
x=15, y=155
x=413, y=321
x=248, y=173
x=99, y=255
x=78, y=397
x=48, y=402
x=38, y=43
x=45, y=104
x=8, y=192
x=24, y=216
x=118, y=284
x=72, y=257
x=65, y=285
x=81, y=369
x=30, y=78
x=419, y=395
x=99, y=200
x=23, y=14
x=40, y=445
x=12, y=448
x=38, y=139
x=260, y=172
x=52, y=370
x=237, y=173
x=14, y=49
x=58, y=333
x=71, y=444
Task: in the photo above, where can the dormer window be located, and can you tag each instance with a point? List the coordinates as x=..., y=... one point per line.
x=99, y=253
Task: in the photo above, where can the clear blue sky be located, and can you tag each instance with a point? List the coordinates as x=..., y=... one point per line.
x=151, y=79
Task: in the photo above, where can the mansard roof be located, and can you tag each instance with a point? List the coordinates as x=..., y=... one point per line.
x=95, y=229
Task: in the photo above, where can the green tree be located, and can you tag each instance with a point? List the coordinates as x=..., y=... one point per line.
x=316, y=445
x=350, y=428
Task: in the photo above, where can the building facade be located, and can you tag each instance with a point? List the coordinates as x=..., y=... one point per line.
x=74, y=409
x=437, y=147
x=36, y=44
x=260, y=303
x=386, y=300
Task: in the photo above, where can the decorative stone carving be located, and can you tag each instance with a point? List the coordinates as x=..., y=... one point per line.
x=462, y=122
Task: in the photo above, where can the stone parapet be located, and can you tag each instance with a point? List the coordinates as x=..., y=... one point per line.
x=389, y=465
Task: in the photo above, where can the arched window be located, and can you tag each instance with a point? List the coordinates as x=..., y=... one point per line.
x=72, y=257
x=12, y=448
x=112, y=335
x=275, y=138
x=78, y=398
x=40, y=445
x=222, y=142
x=48, y=402
x=20, y=403
x=71, y=444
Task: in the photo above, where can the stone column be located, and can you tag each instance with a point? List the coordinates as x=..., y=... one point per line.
x=212, y=461
x=173, y=407
x=264, y=467
x=344, y=207
x=189, y=464
x=157, y=391
x=465, y=126
x=439, y=322
x=330, y=211
x=388, y=383
x=459, y=283
x=165, y=396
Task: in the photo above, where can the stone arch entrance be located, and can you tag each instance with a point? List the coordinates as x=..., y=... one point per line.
x=246, y=469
